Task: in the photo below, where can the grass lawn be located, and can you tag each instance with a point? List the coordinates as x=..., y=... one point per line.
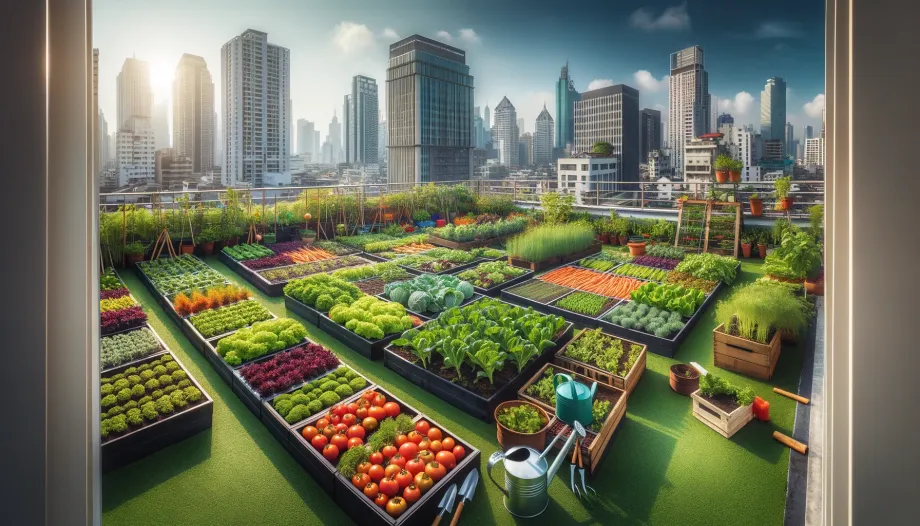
x=663, y=466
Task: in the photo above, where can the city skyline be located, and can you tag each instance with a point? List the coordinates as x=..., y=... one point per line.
x=339, y=42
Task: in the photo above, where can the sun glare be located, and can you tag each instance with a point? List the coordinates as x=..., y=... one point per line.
x=161, y=77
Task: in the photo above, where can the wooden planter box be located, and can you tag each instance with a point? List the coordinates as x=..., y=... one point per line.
x=627, y=383
x=726, y=424
x=537, y=266
x=745, y=356
x=456, y=245
x=595, y=443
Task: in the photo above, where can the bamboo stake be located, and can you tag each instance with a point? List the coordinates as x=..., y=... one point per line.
x=787, y=394
x=791, y=442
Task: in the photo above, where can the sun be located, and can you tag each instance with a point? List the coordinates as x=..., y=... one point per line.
x=161, y=78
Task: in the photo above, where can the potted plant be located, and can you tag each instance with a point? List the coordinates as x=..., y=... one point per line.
x=622, y=230
x=781, y=189
x=206, y=239
x=307, y=236
x=734, y=172
x=420, y=216
x=684, y=378
x=521, y=423
x=762, y=245
x=724, y=163
x=747, y=241
x=637, y=246
x=756, y=204
x=134, y=252
x=269, y=238
x=340, y=229
x=797, y=257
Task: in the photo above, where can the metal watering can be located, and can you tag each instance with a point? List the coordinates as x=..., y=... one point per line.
x=527, y=477
x=574, y=400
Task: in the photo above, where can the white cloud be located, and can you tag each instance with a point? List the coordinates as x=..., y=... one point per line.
x=465, y=35
x=673, y=18
x=352, y=38
x=648, y=82
x=444, y=35
x=599, y=83
x=815, y=108
x=769, y=30
x=390, y=34
x=739, y=106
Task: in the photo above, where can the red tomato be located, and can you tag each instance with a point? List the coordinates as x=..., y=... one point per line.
x=396, y=507
x=435, y=446
x=370, y=424
x=360, y=480
x=340, y=410
x=381, y=500
x=391, y=470
x=392, y=409
x=446, y=459
x=415, y=437
x=424, y=445
x=364, y=467
x=309, y=432
x=376, y=472
x=322, y=422
x=361, y=413
x=356, y=432
x=340, y=441
x=329, y=431
x=319, y=442
x=404, y=478
x=377, y=458
x=412, y=493
x=389, y=487
x=349, y=419
x=371, y=490
x=353, y=442
x=389, y=451
x=424, y=482
x=408, y=450
x=398, y=460
x=352, y=408
x=377, y=412
x=435, y=471
x=335, y=419
x=401, y=439
x=331, y=452
x=379, y=400
x=422, y=426
x=369, y=395
x=415, y=466
x=459, y=453
x=448, y=443
x=434, y=434
x=341, y=427
x=426, y=456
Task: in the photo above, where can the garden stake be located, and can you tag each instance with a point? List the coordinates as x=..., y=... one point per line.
x=791, y=442
x=787, y=394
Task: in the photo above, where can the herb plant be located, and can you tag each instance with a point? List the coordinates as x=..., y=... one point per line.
x=549, y=241
x=641, y=272
x=126, y=347
x=604, y=351
x=650, y=320
x=712, y=386
x=488, y=275
x=755, y=310
x=522, y=418
x=539, y=291
x=585, y=303
x=225, y=319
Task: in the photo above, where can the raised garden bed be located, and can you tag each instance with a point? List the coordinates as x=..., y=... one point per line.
x=203, y=343
x=537, y=266
x=626, y=382
x=122, y=349
x=721, y=413
x=225, y=369
x=745, y=356
x=478, y=398
x=446, y=243
x=482, y=271
x=597, y=436
x=370, y=349
x=275, y=287
x=159, y=426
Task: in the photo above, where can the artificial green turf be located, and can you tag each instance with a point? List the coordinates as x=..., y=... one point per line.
x=662, y=466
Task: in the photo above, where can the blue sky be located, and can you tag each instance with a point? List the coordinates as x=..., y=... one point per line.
x=514, y=49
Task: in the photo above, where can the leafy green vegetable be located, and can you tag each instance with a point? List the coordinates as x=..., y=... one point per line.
x=709, y=266
x=585, y=303
x=523, y=418
x=671, y=297
x=652, y=320
x=797, y=257
x=712, y=385
x=429, y=293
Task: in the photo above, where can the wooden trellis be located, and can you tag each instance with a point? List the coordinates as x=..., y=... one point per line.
x=705, y=225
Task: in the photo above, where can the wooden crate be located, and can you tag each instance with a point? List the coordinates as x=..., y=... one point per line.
x=627, y=383
x=595, y=448
x=745, y=356
x=726, y=424
x=594, y=445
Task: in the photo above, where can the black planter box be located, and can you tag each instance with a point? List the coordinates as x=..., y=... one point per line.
x=582, y=319
x=134, y=363
x=374, y=258
x=277, y=289
x=433, y=315
x=363, y=511
x=224, y=369
x=141, y=442
x=458, y=268
x=495, y=291
x=469, y=402
x=202, y=343
x=370, y=349
x=303, y=310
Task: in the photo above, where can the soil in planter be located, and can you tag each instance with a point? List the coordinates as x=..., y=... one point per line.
x=443, y=265
x=371, y=287
x=724, y=402
x=686, y=372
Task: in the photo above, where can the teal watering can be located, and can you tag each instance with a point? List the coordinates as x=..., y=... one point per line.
x=574, y=400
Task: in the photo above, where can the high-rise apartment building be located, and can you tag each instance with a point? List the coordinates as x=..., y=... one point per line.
x=814, y=152
x=305, y=136
x=520, y=125
x=335, y=139
x=133, y=92
x=505, y=135
x=172, y=169
x=565, y=110
x=773, y=150
x=526, y=149
x=256, y=102
x=789, y=139
x=382, y=142
x=103, y=137
x=193, y=113
x=611, y=114
x=743, y=149
x=362, y=120
x=429, y=112
x=160, y=123
x=688, y=101
x=98, y=160
x=773, y=110
x=809, y=132
x=135, y=148
x=543, y=138
x=650, y=128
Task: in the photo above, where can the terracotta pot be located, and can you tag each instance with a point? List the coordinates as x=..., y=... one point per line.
x=509, y=438
x=605, y=238
x=623, y=239
x=785, y=203
x=756, y=207
x=233, y=241
x=685, y=379
x=187, y=249
x=721, y=176
x=308, y=240
x=815, y=287
x=734, y=176
x=207, y=248
x=132, y=259
x=636, y=248
x=746, y=249
x=762, y=250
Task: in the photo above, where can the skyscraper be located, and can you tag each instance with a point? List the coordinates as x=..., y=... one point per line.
x=505, y=135
x=809, y=133
x=611, y=114
x=134, y=94
x=348, y=139
x=688, y=101
x=193, y=113
x=526, y=149
x=317, y=148
x=98, y=160
x=543, y=138
x=362, y=121
x=335, y=139
x=382, y=142
x=256, y=101
x=479, y=139
x=565, y=109
x=520, y=125
x=790, y=138
x=429, y=112
x=724, y=118
x=304, y=139
x=486, y=119
x=773, y=110
x=650, y=129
